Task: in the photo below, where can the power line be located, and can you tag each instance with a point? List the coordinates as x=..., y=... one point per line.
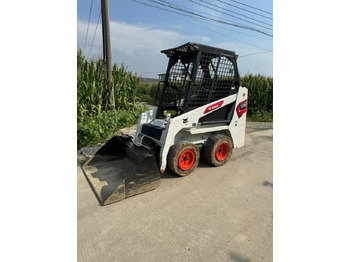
x=181, y=7
x=251, y=7
x=245, y=9
x=194, y=14
x=164, y=9
x=93, y=39
x=225, y=35
x=206, y=15
x=256, y=53
x=237, y=13
x=185, y=7
x=211, y=24
x=206, y=20
x=215, y=25
x=206, y=28
x=87, y=30
x=230, y=14
x=228, y=29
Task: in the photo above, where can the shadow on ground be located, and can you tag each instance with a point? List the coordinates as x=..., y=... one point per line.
x=267, y=183
x=237, y=257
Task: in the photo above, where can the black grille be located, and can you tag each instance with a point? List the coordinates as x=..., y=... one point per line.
x=178, y=80
x=214, y=80
x=197, y=75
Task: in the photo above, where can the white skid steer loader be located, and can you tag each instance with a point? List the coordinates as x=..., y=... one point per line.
x=201, y=107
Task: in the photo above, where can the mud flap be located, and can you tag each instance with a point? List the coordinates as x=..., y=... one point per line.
x=121, y=169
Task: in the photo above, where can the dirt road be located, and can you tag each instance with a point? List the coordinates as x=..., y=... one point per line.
x=214, y=214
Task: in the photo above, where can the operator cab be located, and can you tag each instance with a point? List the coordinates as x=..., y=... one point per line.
x=197, y=75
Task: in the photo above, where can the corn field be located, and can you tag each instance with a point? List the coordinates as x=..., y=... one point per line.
x=260, y=93
x=96, y=120
x=92, y=86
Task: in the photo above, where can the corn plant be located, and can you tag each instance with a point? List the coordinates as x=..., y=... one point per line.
x=260, y=96
x=93, y=94
x=96, y=120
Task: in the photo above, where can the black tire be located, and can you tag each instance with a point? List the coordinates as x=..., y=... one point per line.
x=212, y=145
x=182, y=149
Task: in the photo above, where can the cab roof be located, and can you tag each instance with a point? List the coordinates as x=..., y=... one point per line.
x=193, y=48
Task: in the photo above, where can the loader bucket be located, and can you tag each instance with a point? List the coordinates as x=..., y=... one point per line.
x=121, y=169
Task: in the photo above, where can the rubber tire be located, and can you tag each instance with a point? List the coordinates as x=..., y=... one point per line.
x=211, y=146
x=174, y=155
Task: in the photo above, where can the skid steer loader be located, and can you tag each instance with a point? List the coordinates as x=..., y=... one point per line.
x=201, y=107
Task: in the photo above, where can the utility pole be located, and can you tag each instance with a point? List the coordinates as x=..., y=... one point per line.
x=107, y=48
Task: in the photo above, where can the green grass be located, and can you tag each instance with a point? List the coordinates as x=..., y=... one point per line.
x=102, y=127
x=262, y=117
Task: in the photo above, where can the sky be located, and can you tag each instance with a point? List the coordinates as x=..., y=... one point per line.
x=139, y=32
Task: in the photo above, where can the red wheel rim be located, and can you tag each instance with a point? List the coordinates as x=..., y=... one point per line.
x=222, y=151
x=187, y=159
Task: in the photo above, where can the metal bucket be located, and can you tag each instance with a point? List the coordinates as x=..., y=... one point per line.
x=121, y=169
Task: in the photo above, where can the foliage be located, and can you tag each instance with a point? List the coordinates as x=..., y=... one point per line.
x=96, y=129
x=92, y=86
x=261, y=117
x=260, y=94
x=96, y=121
x=128, y=118
x=100, y=128
x=148, y=92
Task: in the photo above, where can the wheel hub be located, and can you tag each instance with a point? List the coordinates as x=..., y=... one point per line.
x=187, y=159
x=222, y=151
